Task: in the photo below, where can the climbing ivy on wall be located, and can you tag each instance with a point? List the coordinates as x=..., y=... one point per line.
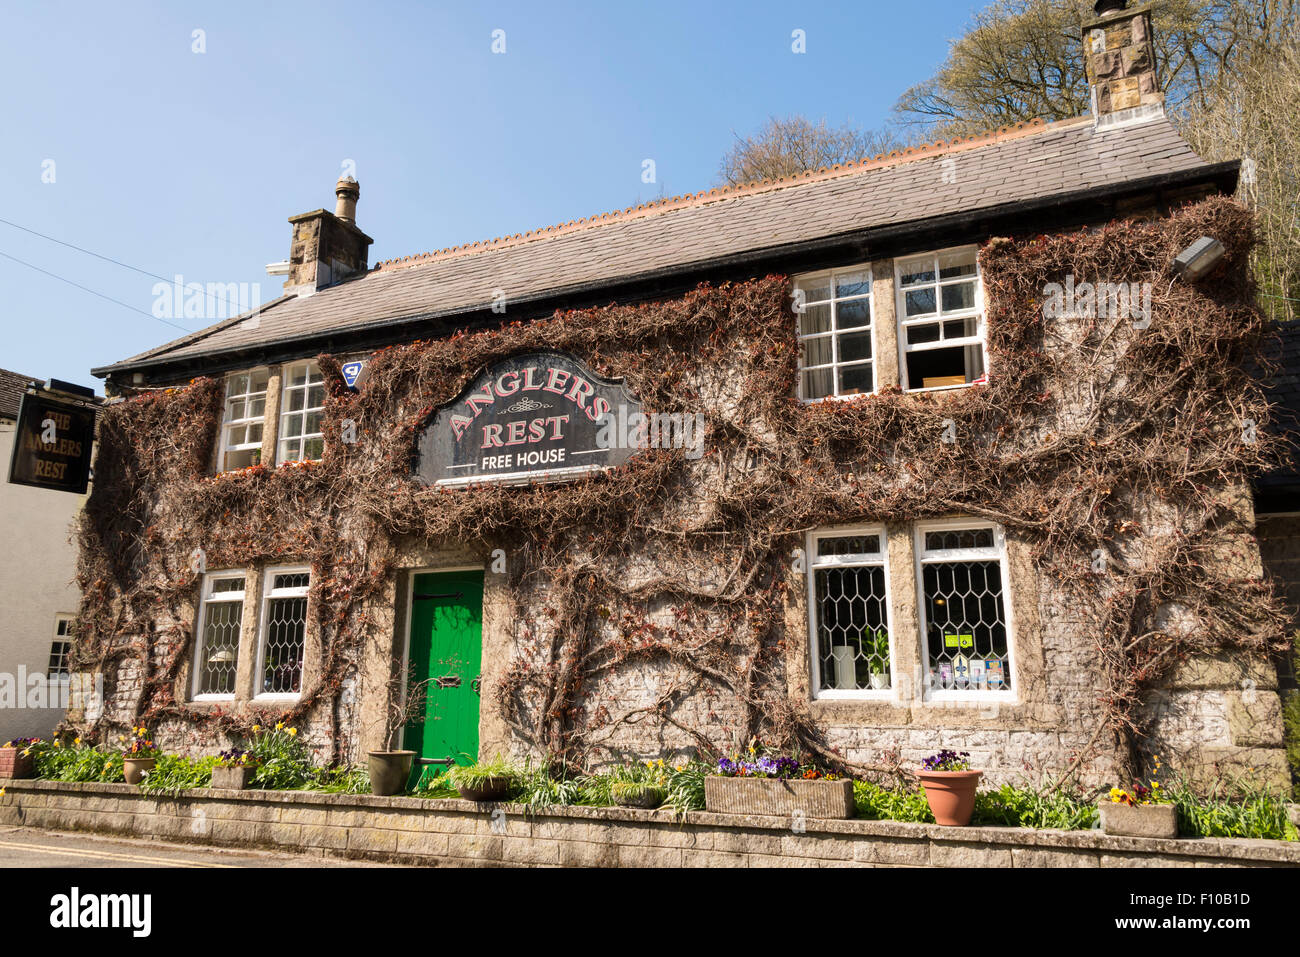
x=1091, y=437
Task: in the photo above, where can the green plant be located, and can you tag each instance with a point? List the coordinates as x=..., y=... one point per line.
x=1236, y=807
x=1010, y=806
x=56, y=761
x=173, y=773
x=877, y=647
x=482, y=772
x=876, y=803
x=341, y=780
x=284, y=762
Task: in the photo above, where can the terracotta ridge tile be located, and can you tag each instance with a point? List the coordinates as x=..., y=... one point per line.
x=704, y=197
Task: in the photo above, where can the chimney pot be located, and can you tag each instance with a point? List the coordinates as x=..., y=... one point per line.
x=348, y=191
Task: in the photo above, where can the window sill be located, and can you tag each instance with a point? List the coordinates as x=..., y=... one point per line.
x=839, y=398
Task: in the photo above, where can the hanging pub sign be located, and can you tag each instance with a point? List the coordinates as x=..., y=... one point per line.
x=52, y=444
x=536, y=415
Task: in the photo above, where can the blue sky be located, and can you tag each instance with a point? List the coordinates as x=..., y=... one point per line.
x=189, y=163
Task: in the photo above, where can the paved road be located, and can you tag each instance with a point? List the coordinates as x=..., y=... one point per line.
x=29, y=847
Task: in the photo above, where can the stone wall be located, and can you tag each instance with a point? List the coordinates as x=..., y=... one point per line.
x=460, y=833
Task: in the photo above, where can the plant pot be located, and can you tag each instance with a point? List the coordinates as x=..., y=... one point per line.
x=879, y=681
x=646, y=796
x=1139, y=820
x=489, y=789
x=777, y=797
x=134, y=768
x=951, y=795
x=232, y=779
x=14, y=764
x=389, y=771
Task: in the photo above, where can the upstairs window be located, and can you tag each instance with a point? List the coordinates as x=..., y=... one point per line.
x=834, y=313
x=849, y=613
x=241, y=431
x=940, y=319
x=284, y=631
x=60, y=665
x=301, y=438
x=216, y=652
x=963, y=615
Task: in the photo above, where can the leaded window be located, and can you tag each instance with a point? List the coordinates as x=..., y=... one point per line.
x=849, y=613
x=216, y=653
x=284, y=631
x=962, y=572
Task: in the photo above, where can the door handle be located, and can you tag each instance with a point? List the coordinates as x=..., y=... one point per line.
x=448, y=681
x=477, y=684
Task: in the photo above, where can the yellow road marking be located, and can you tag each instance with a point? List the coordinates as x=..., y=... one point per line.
x=112, y=856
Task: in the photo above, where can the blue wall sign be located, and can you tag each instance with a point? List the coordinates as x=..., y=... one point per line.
x=351, y=370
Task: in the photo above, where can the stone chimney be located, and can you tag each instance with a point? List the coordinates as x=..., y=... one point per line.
x=1120, y=57
x=327, y=247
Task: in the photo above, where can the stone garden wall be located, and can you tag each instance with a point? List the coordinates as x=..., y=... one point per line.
x=460, y=833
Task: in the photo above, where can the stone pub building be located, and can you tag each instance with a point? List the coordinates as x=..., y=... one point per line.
x=935, y=449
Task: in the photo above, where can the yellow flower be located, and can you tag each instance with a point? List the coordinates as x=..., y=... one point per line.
x=27, y=752
x=76, y=741
x=2, y=792
x=293, y=731
x=1116, y=795
x=280, y=726
x=121, y=737
x=256, y=728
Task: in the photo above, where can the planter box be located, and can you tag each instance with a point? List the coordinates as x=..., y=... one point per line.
x=1141, y=820
x=231, y=779
x=13, y=764
x=777, y=798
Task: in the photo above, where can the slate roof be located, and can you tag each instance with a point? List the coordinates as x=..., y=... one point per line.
x=12, y=387
x=1024, y=163
x=1280, y=490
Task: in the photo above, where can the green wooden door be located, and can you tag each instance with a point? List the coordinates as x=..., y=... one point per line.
x=446, y=645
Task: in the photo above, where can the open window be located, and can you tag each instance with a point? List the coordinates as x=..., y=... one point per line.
x=940, y=319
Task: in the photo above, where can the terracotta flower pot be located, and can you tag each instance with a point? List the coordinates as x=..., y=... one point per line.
x=134, y=768
x=389, y=771
x=951, y=795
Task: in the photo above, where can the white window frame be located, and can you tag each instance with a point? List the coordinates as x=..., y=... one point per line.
x=263, y=623
x=814, y=563
x=301, y=438
x=926, y=557
x=834, y=333
x=902, y=322
x=63, y=637
x=227, y=423
x=208, y=597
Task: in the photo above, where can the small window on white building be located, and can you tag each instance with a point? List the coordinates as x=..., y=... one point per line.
x=216, y=652
x=940, y=319
x=60, y=666
x=849, y=612
x=962, y=585
x=284, y=631
x=835, y=352
x=241, y=430
x=301, y=438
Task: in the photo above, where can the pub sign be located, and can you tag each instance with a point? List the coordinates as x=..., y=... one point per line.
x=534, y=415
x=52, y=445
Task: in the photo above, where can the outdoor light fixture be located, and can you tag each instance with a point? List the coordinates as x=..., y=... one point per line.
x=224, y=656
x=1198, y=258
